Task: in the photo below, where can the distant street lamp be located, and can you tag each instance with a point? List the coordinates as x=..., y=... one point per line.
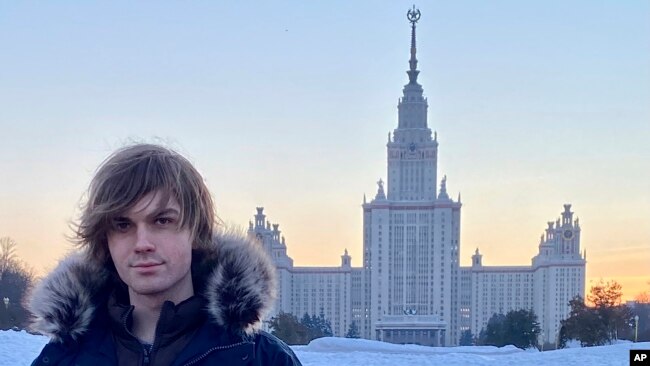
x=636, y=327
x=6, y=301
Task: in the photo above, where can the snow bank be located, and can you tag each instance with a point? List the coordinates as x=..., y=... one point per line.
x=334, y=344
x=20, y=348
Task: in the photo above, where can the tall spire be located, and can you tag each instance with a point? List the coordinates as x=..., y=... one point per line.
x=411, y=150
x=413, y=15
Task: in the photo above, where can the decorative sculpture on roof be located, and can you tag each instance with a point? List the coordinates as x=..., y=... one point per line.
x=413, y=15
x=443, y=189
x=381, y=195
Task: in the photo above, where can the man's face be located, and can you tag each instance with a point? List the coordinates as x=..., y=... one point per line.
x=152, y=254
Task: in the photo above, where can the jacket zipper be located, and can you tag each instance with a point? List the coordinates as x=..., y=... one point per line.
x=145, y=358
x=146, y=353
x=219, y=348
x=155, y=345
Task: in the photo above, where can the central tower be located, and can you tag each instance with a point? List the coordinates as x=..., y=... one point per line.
x=411, y=235
x=412, y=152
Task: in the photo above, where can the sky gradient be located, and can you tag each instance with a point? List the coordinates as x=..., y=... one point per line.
x=287, y=105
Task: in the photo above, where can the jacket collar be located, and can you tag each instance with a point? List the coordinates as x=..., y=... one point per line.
x=234, y=275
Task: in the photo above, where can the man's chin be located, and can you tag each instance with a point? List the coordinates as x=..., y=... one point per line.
x=146, y=289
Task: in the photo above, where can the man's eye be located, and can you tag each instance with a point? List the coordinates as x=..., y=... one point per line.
x=164, y=221
x=121, y=226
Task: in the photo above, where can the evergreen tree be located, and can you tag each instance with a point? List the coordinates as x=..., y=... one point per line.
x=287, y=327
x=466, y=338
x=353, y=331
x=519, y=328
x=324, y=325
x=316, y=326
x=306, y=321
x=600, y=324
x=310, y=323
x=563, y=337
x=584, y=324
x=522, y=328
x=494, y=333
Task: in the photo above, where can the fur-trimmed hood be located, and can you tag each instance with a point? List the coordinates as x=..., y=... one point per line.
x=235, y=276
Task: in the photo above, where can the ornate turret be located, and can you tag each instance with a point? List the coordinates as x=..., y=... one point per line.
x=260, y=217
x=346, y=260
x=269, y=236
x=477, y=259
x=561, y=240
x=567, y=215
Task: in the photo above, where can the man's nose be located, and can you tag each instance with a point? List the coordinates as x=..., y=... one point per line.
x=143, y=242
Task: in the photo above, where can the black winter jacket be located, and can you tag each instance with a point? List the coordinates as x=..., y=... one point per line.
x=235, y=279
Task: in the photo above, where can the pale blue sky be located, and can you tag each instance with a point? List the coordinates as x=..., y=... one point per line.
x=288, y=104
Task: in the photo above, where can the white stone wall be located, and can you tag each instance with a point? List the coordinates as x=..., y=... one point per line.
x=323, y=289
x=377, y=268
x=557, y=274
x=563, y=282
x=412, y=261
x=498, y=290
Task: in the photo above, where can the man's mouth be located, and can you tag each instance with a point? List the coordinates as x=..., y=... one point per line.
x=145, y=264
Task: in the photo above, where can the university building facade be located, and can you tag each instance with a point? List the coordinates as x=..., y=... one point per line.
x=411, y=287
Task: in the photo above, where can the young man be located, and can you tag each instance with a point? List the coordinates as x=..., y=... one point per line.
x=153, y=284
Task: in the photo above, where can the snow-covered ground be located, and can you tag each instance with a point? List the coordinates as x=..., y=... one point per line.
x=20, y=348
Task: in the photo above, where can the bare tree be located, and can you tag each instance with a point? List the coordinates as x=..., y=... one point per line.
x=16, y=277
x=7, y=254
x=643, y=297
